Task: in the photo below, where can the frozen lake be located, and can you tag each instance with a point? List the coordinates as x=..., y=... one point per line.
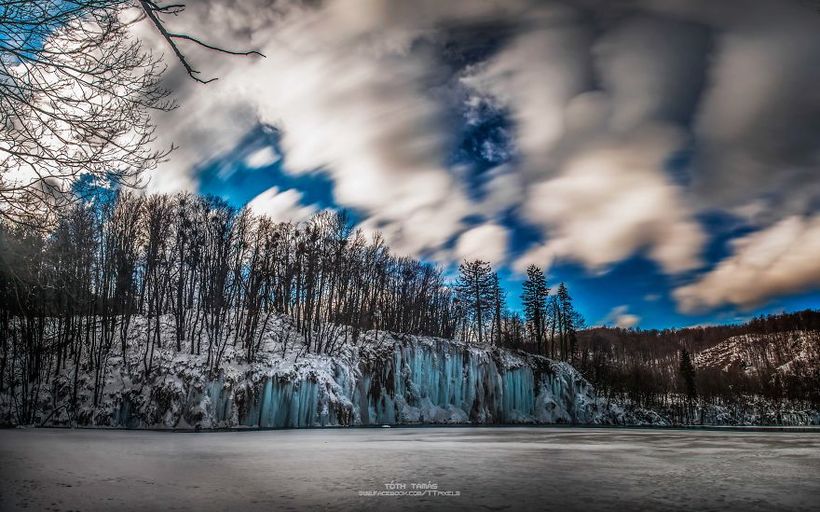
x=491, y=469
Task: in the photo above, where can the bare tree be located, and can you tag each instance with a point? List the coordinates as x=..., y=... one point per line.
x=77, y=92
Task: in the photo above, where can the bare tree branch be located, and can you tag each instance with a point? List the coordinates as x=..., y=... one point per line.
x=77, y=95
x=153, y=11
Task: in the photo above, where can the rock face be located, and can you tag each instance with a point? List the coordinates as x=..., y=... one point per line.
x=395, y=381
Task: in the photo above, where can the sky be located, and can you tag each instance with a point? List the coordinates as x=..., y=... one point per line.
x=661, y=157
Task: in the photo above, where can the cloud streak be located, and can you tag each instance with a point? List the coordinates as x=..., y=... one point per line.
x=602, y=103
x=776, y=261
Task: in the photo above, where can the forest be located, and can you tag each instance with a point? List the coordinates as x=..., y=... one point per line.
x=68, y=295
x=653, y=368
x=220, y=275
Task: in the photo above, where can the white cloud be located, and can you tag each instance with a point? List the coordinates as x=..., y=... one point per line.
x=262, y=158
x=535, y=76
x=611, y=200
x=594, y=176
x=281, y=206
x=776, y=261
x=758, y=120
x=651, y=69
x=502, y=190
x=355, y=87
x=620, y=317
x=349, y=97
x=487, y=242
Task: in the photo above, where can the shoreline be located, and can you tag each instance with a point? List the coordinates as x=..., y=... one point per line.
x=812, y=429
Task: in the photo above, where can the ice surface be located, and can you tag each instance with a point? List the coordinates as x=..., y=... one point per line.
x=510, y=468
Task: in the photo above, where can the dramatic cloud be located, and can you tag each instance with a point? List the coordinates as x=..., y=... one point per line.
x=487, y=242
x=758, y=123
x=595, y=162
x=652, y=70
x=611, y=200
x=503, y=189
x=281, y=206
x=351, y=99
x=776, y=261
x=535, y=76
x=627, y=122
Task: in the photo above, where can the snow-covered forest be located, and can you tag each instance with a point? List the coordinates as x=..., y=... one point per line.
x=180, y=311
x=138, y=275
x=765, y=366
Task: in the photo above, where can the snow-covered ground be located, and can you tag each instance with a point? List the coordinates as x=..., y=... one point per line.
x=520, y=468
x=382, y=378
x=784, y=352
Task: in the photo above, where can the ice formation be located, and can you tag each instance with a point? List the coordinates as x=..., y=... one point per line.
x=379, y=379
x=408, y=380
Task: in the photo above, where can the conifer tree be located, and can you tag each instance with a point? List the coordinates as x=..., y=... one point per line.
x=475, y=289
x=499, y=300
x=687, y=372
x=534, y=299
x=569, y=322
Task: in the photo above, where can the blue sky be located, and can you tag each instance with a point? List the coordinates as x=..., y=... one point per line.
x=662, y=159
x=636, y=282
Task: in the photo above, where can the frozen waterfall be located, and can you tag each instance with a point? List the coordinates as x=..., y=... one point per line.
x=416, y=380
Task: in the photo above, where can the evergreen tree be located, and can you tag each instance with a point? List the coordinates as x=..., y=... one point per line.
x=554, y=315
x=475, y=289
x=499, y=304
x=687, y=372
x=534, y=299
x=569, y=322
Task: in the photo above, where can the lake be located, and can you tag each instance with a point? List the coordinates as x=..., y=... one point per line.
x=428, y=468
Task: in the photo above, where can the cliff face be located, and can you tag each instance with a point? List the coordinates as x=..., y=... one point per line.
x=411, y=380
x=380, y=379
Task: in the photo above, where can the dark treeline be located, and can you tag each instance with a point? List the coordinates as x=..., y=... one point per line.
x=203, y=276
x=658, y=368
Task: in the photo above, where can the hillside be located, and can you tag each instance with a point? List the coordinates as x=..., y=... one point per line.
x=786, y=353
x=382, y=379
x=181, y=311
x=761, y=371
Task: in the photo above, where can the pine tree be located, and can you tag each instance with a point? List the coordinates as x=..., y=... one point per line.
x=499, y=300
x=475, y=289
x=687, y=372
x=534, y=299
x=569, y=322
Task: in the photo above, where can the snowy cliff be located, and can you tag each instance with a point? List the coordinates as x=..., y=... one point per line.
x=381, y=379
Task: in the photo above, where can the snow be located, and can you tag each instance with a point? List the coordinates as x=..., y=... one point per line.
x=380, y=379
x=750, y=352
x=383, y=378
x=512, y=468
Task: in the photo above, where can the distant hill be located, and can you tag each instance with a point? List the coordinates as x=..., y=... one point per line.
x=791, y=352
x=774, y=358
